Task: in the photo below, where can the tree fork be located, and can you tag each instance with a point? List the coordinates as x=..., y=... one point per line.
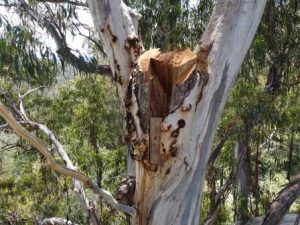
x=181, y=101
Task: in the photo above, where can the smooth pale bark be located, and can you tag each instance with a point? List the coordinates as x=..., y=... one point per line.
x=169, y=193
x=56, y=221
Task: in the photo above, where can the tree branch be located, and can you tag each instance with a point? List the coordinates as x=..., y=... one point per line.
x=76, y=3
x=117, y=25
x=216, y=151
x=3, y=126
x=282, y=202
x=62, y=48
x=78, y=189
x=62, y=169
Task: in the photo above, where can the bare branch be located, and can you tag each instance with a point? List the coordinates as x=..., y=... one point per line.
x=76, y=3
x=78, y=187
x=29, y=92
x=220, y=197
x=96, y=43
x=3, y=126
x=62, y=169
x=7, y=147
x=21, y=131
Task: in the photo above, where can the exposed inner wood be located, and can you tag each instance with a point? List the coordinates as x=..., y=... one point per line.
x=163, y=72
x=164, y=79
x=173, y=67
x=155, y=156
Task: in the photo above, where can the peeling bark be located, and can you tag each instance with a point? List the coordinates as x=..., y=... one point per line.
x=126, y=191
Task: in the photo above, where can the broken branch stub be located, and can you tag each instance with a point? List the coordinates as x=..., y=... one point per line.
x=163, y=75
x=163, y=71
x=174, y=67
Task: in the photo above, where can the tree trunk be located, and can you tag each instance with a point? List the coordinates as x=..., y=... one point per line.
x=288, y=219
x=255, y=185
x=281, y=204
x=218, y=200
x=243, y=180
x=173, y=102
x=290, y=158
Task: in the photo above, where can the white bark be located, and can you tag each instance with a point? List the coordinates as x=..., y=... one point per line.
x=170, y=195
x=117, y=26
x=56, y=221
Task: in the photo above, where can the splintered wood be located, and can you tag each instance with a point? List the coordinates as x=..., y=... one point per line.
x=173, y=67
x=162, y=72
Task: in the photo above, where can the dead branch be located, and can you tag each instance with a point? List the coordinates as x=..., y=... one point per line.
x=76, y=3
x=62, y=169
x=78, y=189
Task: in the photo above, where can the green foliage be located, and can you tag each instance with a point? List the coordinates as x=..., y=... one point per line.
x=173, y=23
x=24, y=58
x=88, y=120
x=85, y=115
x=27, y=190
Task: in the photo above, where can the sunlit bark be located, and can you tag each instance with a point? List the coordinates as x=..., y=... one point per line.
x=168, y=191
x=172, y=102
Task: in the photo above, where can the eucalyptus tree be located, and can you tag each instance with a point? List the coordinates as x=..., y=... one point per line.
x=267, y=116
x=172, y=102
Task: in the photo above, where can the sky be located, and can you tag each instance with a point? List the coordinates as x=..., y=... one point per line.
x=74, y=42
